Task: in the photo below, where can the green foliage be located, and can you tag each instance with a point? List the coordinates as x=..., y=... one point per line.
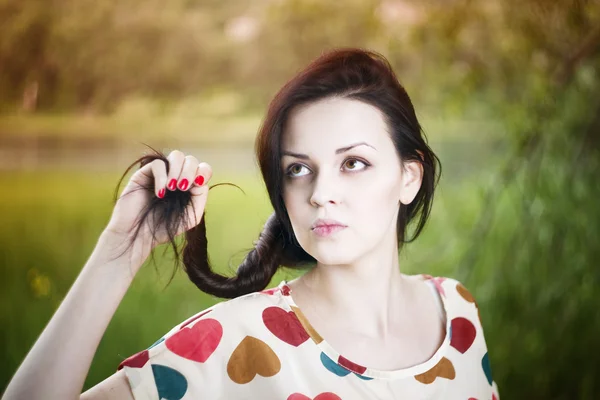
x=535, y=263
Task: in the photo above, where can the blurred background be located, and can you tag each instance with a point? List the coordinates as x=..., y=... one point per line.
x=507, y=91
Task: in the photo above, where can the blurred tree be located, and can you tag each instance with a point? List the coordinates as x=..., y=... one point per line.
x=534, y=65
x=88, y=54
x=296, y=31
x=25, y=31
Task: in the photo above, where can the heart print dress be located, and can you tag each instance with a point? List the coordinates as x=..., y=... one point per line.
x=261, y=346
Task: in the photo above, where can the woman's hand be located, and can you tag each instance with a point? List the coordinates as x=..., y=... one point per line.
x=185, y=173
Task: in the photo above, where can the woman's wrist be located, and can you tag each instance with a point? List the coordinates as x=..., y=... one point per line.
x=116, y=249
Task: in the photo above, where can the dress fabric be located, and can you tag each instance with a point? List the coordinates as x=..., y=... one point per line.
x=261, y=346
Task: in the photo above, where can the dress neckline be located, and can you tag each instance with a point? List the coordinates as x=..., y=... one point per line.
x=336, y=360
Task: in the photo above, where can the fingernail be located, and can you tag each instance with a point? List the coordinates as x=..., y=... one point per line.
x=199, y=180
x=161, y=193
x=173, y=184
x=183, y=184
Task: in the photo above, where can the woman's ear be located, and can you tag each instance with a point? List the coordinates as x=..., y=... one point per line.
x=412, y=176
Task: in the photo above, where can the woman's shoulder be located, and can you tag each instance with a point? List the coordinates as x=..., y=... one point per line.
x=238, y=309
x=206, y=350
x=229, y=318
x=449, y=288
x=457, y=299
x=462, y=314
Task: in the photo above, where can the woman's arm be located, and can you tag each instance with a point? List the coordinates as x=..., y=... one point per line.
x=58, y=363
x=115, y=386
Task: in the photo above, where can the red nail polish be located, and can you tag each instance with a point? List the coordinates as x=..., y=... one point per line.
x=173, y=184
x=199, y=180
x=161, y=193
x=183, y=184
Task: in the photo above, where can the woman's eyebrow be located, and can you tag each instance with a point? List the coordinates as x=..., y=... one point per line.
x=338, y=151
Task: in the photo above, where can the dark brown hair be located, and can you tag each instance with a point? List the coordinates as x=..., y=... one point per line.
x=345, y=73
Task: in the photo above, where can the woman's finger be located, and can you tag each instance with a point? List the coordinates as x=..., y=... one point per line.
x=195, y=209
x=176, y=159
x=159, y=170
x=203, y=174
x=199, y=196
x=188, y=172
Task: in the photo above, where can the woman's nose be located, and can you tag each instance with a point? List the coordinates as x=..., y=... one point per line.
x=325, y=190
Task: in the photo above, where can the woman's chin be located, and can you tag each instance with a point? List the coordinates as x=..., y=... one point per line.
x=333, y=255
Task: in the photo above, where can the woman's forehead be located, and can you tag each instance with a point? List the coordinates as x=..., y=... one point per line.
x=334, y=123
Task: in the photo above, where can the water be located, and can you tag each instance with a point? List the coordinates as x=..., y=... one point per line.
x=106, y=154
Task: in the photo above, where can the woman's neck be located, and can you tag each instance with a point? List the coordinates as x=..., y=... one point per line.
x=368, y=297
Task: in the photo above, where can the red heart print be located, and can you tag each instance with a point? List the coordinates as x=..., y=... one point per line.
x=198, y=342
x=285, y=325
x=463, y=334
x=138, y=360
x=321, y=396
x=344, y=362
x=269, y=291
x=195, y=317
x=285, y=290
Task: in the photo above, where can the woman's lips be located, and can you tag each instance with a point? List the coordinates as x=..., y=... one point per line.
x=327, y=230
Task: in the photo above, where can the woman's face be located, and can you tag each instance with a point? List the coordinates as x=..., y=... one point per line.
x=345, y=168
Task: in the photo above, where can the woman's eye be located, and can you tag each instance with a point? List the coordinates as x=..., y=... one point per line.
x=353, y=161
x=296, y=168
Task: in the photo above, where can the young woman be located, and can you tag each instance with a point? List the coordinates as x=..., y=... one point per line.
x=347, y=169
